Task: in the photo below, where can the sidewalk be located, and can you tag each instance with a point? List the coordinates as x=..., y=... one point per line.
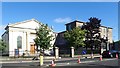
x=49, y=57
x=88, y=55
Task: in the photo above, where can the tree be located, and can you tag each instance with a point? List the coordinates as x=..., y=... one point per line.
x=116, y=45
x=75, y=37
x=2, y=45
x=116, y=42
x=93, y=35
x=43, y=37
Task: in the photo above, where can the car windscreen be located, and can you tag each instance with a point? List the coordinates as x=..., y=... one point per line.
x=113, y=51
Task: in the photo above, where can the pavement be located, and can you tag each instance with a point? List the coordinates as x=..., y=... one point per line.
x=4, y=58
x=46, y=59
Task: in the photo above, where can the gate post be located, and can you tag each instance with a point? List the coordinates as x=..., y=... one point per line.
x=72, y=52
x=56, y=52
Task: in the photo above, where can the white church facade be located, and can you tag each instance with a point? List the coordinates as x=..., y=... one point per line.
x=20, y=36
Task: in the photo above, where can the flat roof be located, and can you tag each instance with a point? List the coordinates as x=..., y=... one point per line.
x=106, y=27
x=74, y=22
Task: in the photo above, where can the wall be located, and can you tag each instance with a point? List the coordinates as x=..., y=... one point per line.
x=26, y=39
x=13, y=34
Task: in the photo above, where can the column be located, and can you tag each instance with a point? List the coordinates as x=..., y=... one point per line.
x=107, y=45
x=102, y=47
x=56, y=52
x=72, y=52
x=27, y=41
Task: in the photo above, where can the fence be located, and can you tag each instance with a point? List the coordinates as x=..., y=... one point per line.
x=19, y=53
x=64, y=53
x=24, y=53
x=80, y=51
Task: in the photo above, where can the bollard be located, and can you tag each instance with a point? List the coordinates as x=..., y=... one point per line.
x=92, y=57
x=41, y=60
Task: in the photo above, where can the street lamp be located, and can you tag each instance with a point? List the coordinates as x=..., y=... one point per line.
x=102, y=44
x=107, y=44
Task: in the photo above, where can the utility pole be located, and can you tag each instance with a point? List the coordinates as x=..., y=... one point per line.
x=107, y=46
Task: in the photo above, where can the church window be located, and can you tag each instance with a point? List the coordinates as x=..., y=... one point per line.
x=19, y=42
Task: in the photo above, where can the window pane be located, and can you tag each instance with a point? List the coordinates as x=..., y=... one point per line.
x=19, y=42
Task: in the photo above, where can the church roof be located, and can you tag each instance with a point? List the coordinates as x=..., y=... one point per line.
x=22, y=22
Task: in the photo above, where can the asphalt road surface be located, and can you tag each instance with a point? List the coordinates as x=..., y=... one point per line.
x=100, y=64
x=85, y=63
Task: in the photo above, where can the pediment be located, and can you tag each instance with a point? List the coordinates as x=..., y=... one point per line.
x=31, y=24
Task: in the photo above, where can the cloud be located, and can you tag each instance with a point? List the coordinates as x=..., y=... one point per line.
x=62, y=20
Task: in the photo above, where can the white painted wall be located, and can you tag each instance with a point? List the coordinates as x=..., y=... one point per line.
x=13, y=34
x=27, y=32
x=13, y=42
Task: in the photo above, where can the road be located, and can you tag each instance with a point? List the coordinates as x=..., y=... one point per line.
x=100, y=64
x=66, y=63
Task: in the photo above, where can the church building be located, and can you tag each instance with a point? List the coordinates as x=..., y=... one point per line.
x=20, y=36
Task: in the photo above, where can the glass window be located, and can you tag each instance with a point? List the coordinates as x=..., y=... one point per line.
x=19, y=42
x=69, y=27
x=104, y=30
x=80, y=26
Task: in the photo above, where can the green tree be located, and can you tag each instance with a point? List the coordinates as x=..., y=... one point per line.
x=75, y=37
x=116, y=43
x=43, y=38
x=2, y=45
x=93, y=36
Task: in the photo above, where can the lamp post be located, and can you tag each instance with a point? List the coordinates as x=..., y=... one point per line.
x=107, y=43
x=102, y=44
x=101, y=48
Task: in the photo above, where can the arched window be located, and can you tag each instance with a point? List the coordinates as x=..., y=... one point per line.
x=19, y=42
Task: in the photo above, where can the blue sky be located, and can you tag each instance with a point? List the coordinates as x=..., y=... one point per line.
x=60, y=0
x=56, y=14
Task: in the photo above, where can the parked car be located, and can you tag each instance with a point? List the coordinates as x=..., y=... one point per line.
x=48, y=52
x=110, y=53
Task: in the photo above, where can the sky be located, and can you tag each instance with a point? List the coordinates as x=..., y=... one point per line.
x=57, y=14
x=118, y=21
x=60, y=0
